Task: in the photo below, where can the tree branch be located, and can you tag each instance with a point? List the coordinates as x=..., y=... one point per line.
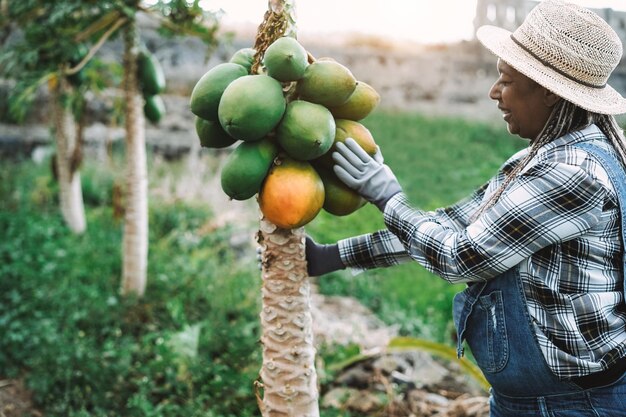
x=96, y=47
x=99, y=24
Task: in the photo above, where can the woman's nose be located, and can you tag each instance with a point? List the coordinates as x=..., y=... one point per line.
x=494, y=92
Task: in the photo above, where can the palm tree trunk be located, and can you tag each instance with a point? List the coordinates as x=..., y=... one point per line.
x=135, y=240
x=70, y=191
x=287, y=378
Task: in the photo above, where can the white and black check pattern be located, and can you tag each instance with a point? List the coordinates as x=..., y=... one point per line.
x=558, y=220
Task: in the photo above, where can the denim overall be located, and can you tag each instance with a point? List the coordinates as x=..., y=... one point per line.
x=493, y=317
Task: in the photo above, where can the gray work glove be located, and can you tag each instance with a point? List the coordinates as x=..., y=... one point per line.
x=368, y=176
x=320, y=259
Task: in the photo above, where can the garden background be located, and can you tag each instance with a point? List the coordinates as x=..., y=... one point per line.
x=72, y=345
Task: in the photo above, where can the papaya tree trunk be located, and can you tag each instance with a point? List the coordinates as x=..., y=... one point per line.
x=288, y=378
x=135, y=240
x=70, y=191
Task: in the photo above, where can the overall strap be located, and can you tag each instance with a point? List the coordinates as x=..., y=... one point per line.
x=617, y=175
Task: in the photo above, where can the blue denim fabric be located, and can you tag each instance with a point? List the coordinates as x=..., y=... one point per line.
x=499, y=331
x=618, y=179
x=609, y=401
x=493, y=318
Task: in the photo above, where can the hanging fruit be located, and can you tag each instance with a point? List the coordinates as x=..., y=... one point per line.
x=293, y=107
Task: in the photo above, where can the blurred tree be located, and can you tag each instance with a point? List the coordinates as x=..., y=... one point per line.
x=45, y=49
x=58, y=40
x=177, y=17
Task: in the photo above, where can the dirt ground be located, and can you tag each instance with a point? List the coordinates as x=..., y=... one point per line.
x=15, y=400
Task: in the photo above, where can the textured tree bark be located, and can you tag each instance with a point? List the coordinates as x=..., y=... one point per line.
x=289, y=379
x=135, y=240
x=70, y=191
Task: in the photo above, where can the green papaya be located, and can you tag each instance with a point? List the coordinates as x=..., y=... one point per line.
x=339, y=199
x=285, y=59
x=348, y=129
x=327, y=83
x=251, y=107
x=244, y=57
x=212, y=135
x=206, y=94
x=245, y=168
x=154, y=108
x=151, y=76
x=306, y=131
x=363, y=100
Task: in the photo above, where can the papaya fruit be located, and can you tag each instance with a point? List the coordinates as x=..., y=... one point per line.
x=206, y=94
x=212, y=135
x=348, y=129
x=154, y=108
x=327, y=83
x=285, y=59
x=361, y=102
x=251, y=107
x=292, y=194
x=244, y=57
x=306, y=131
x=245, y=168
x=339, y=199
x=150, y=73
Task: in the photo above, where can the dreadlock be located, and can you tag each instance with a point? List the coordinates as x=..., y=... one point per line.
x=565, y=117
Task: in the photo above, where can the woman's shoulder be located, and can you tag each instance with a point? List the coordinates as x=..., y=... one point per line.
x=567, y=149
x=567, y=153
x=515, y=159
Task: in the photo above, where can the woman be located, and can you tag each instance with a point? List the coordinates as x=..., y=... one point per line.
x=541, y=244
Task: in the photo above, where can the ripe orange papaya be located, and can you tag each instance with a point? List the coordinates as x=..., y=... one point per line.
x=292, y=193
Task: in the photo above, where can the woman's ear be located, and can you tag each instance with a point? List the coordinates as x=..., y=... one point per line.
x=549, y=98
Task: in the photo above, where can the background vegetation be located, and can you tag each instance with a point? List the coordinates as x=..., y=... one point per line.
x=190, y=347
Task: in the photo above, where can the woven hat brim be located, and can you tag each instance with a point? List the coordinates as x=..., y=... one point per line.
x=598, y=100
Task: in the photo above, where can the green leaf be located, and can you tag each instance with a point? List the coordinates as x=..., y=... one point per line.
x=443, y=351
x=185, y=343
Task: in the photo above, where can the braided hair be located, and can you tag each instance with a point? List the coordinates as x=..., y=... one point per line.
x=565, y=117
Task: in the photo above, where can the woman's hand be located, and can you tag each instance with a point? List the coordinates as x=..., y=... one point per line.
x=368, y=176
x=320, y=259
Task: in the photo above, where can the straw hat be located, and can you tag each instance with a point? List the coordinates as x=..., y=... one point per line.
x=567, y=49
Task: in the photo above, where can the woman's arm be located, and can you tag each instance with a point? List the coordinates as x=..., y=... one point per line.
x=548, y=203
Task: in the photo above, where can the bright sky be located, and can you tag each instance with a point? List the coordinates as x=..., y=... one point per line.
x=417, y=20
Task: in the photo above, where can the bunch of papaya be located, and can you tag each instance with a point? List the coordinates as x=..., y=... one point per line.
x=152, y=82
x=283, y=121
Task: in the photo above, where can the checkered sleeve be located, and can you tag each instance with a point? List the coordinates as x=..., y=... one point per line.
x=383, y=248
x=373, y=250
x=548, y=203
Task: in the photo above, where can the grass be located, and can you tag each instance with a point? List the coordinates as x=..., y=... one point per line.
x=190, y=346
x=84, y=350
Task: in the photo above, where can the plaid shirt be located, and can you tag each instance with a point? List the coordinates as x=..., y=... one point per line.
x=558, y=221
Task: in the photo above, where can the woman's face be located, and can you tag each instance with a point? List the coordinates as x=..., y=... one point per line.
x=525, y=105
